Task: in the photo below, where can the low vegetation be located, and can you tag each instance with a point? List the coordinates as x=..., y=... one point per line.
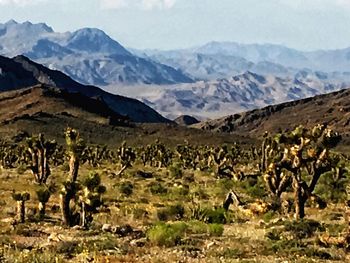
x=285, y=199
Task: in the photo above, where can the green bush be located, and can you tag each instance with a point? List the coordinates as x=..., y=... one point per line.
x=198, y=227
x=303, y=229
x=157, y=188
x=126, y=188
x=174, y=212
x=167, y=235
x=175, y=171
x=215, y=230
x=268, y=216
x=332, y=189
x=216, y=216
x=181, y=191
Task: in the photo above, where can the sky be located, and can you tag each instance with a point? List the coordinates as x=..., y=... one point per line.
x=173, y=24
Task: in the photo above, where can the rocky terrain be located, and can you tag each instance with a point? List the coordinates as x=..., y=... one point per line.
x=217, y=98
x=332, y=109
x=87, y=55
x=21, y=72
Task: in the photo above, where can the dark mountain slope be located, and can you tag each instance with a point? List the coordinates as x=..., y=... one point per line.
x=332, y=108
x=21, y=72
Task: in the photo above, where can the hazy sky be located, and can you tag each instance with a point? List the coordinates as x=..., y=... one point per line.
x=167, y=24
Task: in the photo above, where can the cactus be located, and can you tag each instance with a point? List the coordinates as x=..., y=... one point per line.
x=21, y=199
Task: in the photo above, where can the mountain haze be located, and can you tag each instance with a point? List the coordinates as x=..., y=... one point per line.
x=88, y=55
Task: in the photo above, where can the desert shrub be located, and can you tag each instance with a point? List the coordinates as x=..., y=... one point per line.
x=126, y=188
x=68, y=248
x=216, y=216
x=332, y=189
x=36, y=256
x=198, y=227
x=209, y=215
x=302, y=229
x=188, y=179
x=173, y=212
x=274, y=234
x=157, y=188
x=139, y=213
x=200, y=193
x=225, y=185
x=175, y=171
x=166, y=234
x=181, y=191
x=254, y=187
x=215, y=230
x=21, y=168
x=268, y=216
x=293, y=247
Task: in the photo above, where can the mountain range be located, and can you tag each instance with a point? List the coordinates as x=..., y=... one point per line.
x=225, y=59
x=217, y=98
x=209, y=81
x=87, y=55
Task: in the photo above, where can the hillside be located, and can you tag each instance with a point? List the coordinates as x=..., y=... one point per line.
x=21, y=72
x=332, y=108
x=48, y=110
x=41, y=100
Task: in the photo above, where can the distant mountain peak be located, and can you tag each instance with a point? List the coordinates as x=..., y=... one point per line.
x=95, y=40
x=11, y=22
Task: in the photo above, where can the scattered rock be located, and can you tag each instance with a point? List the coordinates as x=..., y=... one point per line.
x=144, y=175
x=106, y=228
x=138, y=242
x=54, y=237
x=78, y=228
x=123, y=231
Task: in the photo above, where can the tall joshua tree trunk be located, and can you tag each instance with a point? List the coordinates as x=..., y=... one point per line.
x=65, y=209
x=21, y=211
x=300, y=200
x=73, y=167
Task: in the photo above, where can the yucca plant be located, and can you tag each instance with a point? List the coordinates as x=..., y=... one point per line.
x=90, y=198
x=21, y=199
x=43, y=194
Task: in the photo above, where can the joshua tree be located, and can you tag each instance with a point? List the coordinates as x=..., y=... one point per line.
x=75, y=147
x=40, y=151
x=221, y=161
x=306, y=155
x=90, y=198
x=21, y=199
x=67, y=193
x=43, y=195
x=126, y=157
